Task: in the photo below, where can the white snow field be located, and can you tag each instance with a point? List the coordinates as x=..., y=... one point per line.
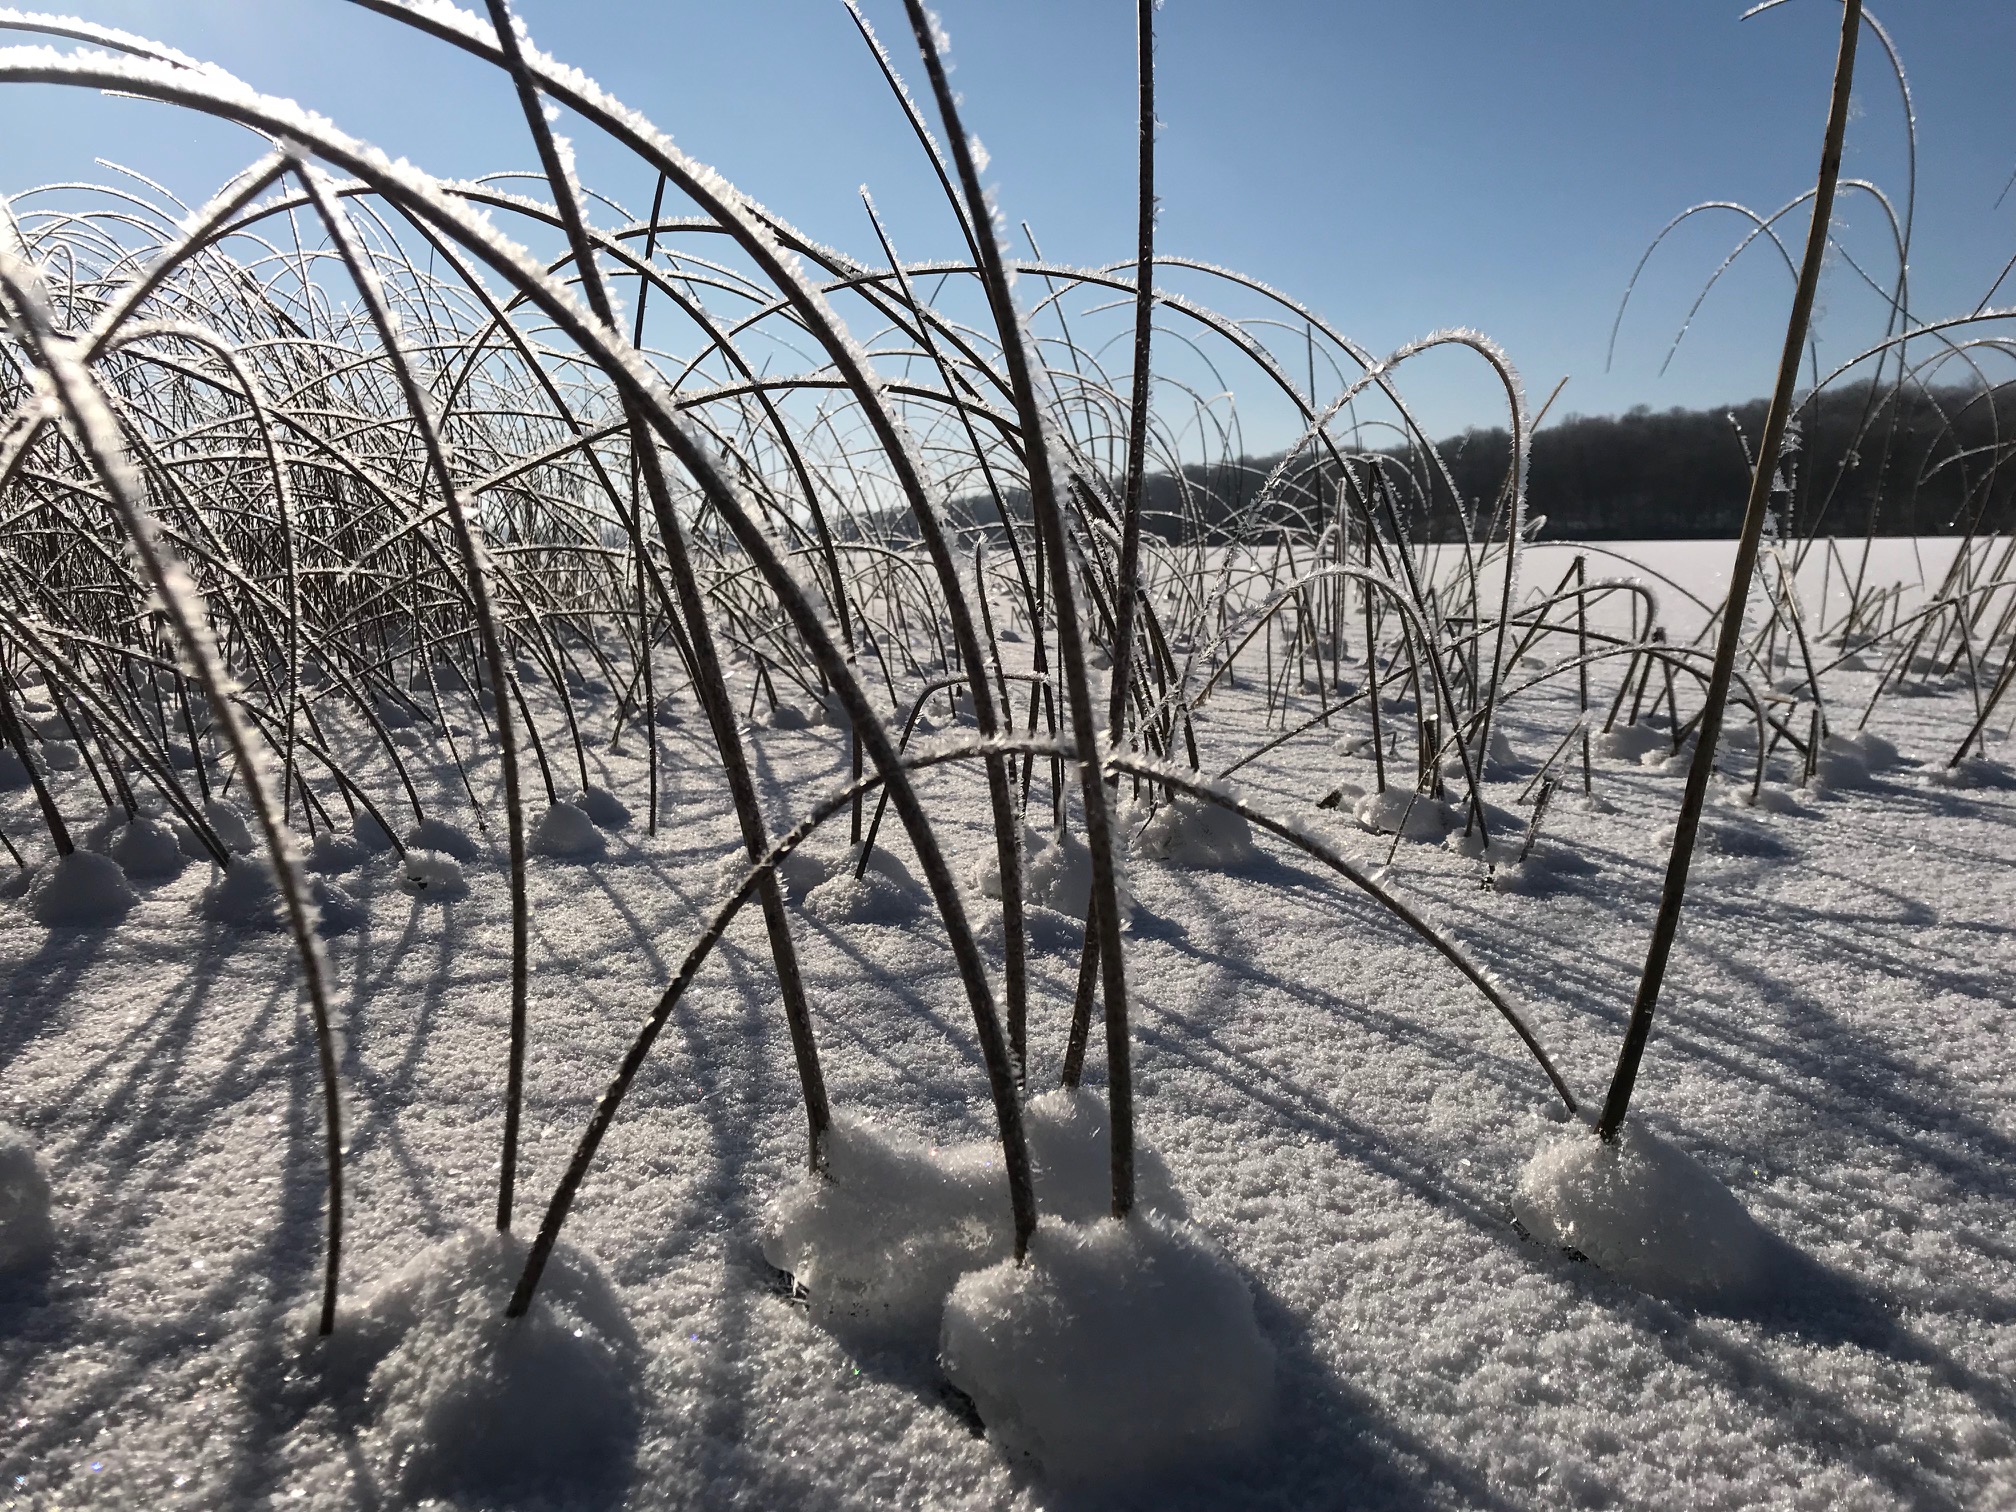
x=1345, y=1123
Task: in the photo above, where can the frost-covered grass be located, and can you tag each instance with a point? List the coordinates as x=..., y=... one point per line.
x=846, y=958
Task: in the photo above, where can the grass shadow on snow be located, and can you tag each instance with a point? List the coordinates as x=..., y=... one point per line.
x=1330, y=1447
x=38, y=989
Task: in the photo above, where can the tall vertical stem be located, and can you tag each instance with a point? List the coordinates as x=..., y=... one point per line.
x=1664, y=927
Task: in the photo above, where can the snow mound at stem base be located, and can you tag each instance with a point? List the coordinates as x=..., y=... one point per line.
x=469, y=1405
x=440, y=835
x=881, y=1237
x=1118, y=1349
x=603, y=806
x=1188, y=831
x=1632, y=742
x=332, y=854
x=432, y=874
x=1403, y=812
x=27, y=1234
x=146, y=848
x=1056, y=874
x=1648, y=1213
x=80, y=891
x=886, y=892
x=1847, y=761
x=564, y=831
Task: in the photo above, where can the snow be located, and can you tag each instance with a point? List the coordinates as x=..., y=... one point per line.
x=1346, y=1123
x=1852, y=760
x=603, y=806
x=243, y=895
x=13, y=775
x=881, y=1237
x=434, y=875
x=564, y=831
x=886, y=892
x=437, y=835
x=1189, y=831
x=1633, y=742
x=335, y=854
x=27, y=1232
x=227, y=821
x=370, y=834
x=1543, y=869
x=461, y=1403
x=337, y=912
x=146, y=849
x=1972, y=772
x=82, y=890
x=1056, y=873
x=1119, y=1352
x=1645, y=1210
x=1402, y=811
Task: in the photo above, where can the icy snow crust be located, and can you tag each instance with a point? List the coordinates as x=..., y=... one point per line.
x=1346, y=1122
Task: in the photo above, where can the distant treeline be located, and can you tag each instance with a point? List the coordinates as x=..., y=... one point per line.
x=1923, y=462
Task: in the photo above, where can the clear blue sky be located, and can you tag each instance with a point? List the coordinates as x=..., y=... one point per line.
x=1401, y=166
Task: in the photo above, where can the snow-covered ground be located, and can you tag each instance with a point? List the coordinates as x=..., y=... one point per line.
x=1342, y=1116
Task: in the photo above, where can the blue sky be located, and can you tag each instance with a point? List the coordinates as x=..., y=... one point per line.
x=1399, y=166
